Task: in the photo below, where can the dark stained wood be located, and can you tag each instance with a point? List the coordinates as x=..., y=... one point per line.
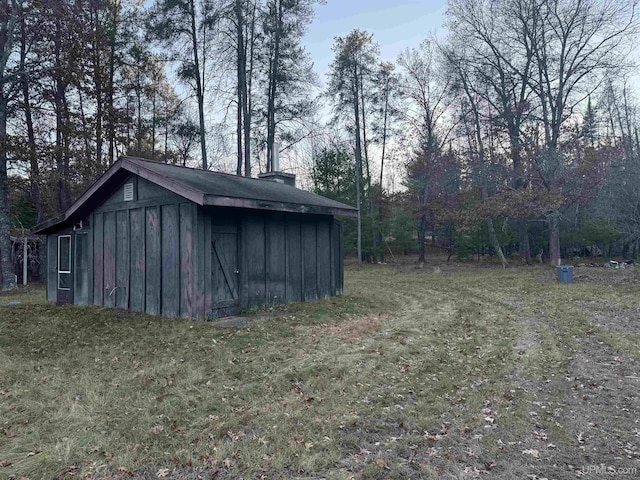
x=116, y=196
x=149, y=191
x=199, y=266
x=332, y=254
x=340, y=260
x=122, y=259
x=139, y=204
x=90, y=265
x=153, y=261
x=137, y=267
x=276, y=255
x=111, y=174
x=187, y=219
x=139, y=168
x=224, y=265
x=170, y=299
x=206, y=256
x=309, y=253
x=254, y=250
x=324, y=258
x=52, y=268
x=80, y=269
x=98, y=259
x=293, y=261
x=109, y=259
x=252, y=204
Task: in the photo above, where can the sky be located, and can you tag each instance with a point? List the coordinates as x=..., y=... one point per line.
x=395, y=25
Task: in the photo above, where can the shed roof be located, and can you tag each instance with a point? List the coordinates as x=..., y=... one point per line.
x=203, y=187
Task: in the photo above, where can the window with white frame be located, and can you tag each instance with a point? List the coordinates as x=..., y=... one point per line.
x=64, y=262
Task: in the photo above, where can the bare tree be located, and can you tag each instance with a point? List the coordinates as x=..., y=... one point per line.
x=9, y=26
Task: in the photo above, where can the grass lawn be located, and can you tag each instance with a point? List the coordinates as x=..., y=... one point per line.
x=449, y=370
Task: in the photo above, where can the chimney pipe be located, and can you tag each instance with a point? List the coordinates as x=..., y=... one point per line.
x=276, y=157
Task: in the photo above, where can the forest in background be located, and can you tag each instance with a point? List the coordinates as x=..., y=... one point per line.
x=515, y=133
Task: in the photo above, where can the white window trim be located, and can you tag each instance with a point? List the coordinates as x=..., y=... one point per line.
x=63, y=271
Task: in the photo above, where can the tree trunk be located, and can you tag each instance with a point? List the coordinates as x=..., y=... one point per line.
x=273, y=76
x=554, y=239
x=384, y=131
x=6, y=265
x=199, y=85
x=524, y=244
x=356, y=114
x=422, y=234
x=97, y=80
x=110, y=108
x=242, y=84
x=247, y=108
x=62, y=166
x=34, y=176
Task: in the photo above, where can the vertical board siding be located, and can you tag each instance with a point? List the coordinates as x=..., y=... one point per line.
x=153, y=261
x=52, y=268
x=332, y=257
x=254, y=253
x=89, y=266
x=293, y=261
x=199, y=264
x=309, y=254
x=276, y=254
x=187, y=219
x=109, y=258
x=170, y=298
x=123, y=243
x=340, y=259
x=206, y=252
x=80, y=269
x=137, y=267
x=98, y=259
x=324, y=258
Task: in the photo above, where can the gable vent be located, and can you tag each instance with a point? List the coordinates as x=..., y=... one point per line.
x=128, y=192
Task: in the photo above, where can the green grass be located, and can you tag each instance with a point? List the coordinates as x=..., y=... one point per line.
x=94, y=389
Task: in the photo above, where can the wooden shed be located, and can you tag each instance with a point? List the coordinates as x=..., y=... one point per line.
x=176, y=241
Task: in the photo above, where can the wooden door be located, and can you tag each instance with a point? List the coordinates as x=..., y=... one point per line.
x=224, y=268
x=64, y=262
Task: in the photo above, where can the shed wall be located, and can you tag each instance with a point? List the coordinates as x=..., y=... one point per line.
x=144, y=256
x=283, y=258
x=156, y=254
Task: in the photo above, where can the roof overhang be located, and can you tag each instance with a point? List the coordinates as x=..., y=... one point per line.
x=125, y=166
x=218, y=201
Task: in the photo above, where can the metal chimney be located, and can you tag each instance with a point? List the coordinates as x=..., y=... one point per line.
x=275, y=175
x=276, y=157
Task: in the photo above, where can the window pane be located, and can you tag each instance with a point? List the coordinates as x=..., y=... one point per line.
x=64, y=254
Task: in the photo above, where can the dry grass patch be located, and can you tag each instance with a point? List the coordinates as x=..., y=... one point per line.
x=352, y=330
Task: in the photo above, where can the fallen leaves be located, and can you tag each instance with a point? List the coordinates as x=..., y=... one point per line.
x=531, y=451
x=163, y=472
x=5, y=463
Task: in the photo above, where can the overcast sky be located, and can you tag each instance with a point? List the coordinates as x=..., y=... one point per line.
x=395, y=24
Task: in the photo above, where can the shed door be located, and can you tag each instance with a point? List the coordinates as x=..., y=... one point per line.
x=224, y=266
x=64, y=274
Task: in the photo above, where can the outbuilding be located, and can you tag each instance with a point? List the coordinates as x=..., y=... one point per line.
x=176, y=241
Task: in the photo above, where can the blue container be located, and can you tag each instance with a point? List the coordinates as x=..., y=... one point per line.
x=565, y=273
